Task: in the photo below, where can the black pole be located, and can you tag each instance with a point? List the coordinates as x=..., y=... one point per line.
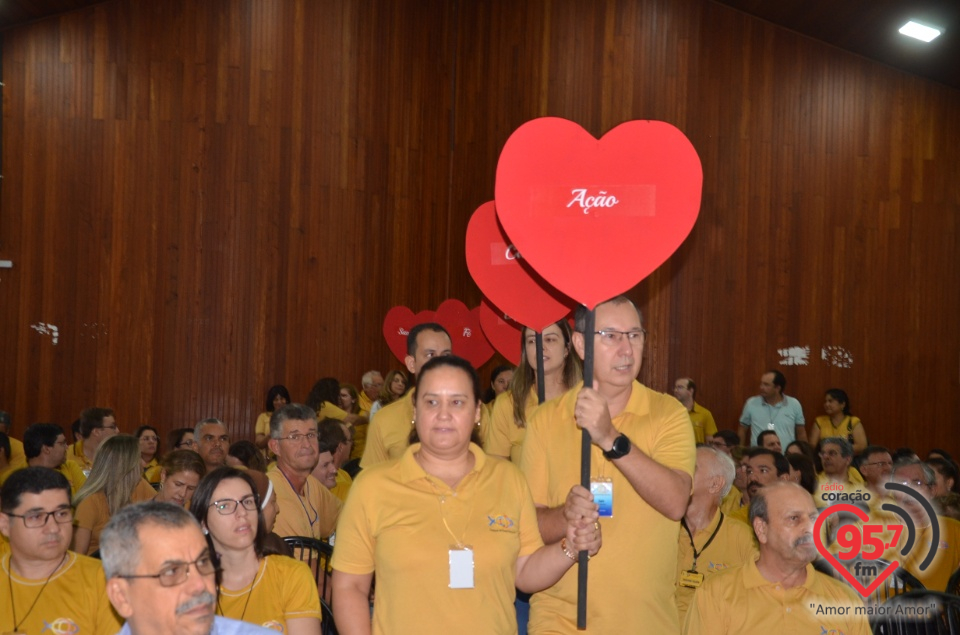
x=541, y=386
x=585, y=469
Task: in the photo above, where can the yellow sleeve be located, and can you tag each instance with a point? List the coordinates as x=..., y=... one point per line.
x=530, y=539
x=703, y=617
x=374, y=451
x=709, y=425
x=301, y=598
x=354, y=551
x=533, y=460
x=497, y=442
x=263, y=424
x=328, y=506
x=74, y=474
x=330, y=411
x=91, y=509
x=674, y=445
x=108, y=623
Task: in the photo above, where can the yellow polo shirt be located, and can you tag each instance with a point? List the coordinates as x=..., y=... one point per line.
x=505, y=437
x=329, y=411
x=342, y=488
x=17, y=457
x=396, y=524
x=946, y=560
x=74, y=474
x=742, y=601
x=283, y=589
x=732, y=546
x=73, y=601
x=365, y=404
x=388, y=435
x=703, y=424
x=732, y=501
x=631, y=579
x=312, y=513
x=75, y=454
x=93, y=513
x=829, y=492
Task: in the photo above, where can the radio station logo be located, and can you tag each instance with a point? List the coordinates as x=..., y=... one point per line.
x=862, y=544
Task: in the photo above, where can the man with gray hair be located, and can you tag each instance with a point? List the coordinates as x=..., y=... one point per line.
x=709, y=541
x=307, y=508
x=213, y=441
x=780, y=591
x=160, y=573
x=370, y=385
x=838, y=483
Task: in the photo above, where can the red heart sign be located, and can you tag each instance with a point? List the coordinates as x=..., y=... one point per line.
x=397, y=323
x=498, y=269
x=842, y=570
x=501, y=331
x=467, y=337
x=594, y=217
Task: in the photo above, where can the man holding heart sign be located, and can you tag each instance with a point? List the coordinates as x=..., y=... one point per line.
x=642, y=463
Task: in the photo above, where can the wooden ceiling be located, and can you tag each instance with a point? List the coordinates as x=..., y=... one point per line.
x=865, y=27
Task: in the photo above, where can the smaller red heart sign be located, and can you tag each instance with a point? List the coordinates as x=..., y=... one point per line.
x=503, y=277
x=595, y=217
x=842, y=570
x=502, y=331
x=466, y=335
x=397, y=324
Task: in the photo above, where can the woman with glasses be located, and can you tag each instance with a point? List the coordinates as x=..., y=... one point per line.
x=513, y=408
x=448, y=531
x=115, y=480
x=149, y=440
x=180, y=473
x=273, y=591
x=838, y=422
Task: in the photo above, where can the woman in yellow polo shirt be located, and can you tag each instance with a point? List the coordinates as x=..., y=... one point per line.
x=838, y=422
x=180, y=473
x=448, y=531
x=512, y=409
x=272, y=591
x=150, y=455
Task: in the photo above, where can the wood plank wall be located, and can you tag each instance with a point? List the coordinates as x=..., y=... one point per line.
x=207, y=198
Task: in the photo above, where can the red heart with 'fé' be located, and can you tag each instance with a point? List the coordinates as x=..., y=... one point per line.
x=467, y=337
x=595, y=217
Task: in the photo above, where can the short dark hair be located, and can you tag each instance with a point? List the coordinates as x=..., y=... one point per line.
x=417, y=330
x=870, y=450
x=5, y=445
x=948, y=469
x=778, y=379
x=691, y=386
x=40, y=435
x=289, y=412
x=763, y=435
x=580, y=315
x=249, y=454
x=330, y=435
x=840, y=396
x=730, y=438
x=278, y=390
x=91, y=419
x=846, y=450
x=175, y=437
x=758, y=506
x=203, y=498
x=808, y=472
x=30, y=480
x=449, y=361
x=779, y=461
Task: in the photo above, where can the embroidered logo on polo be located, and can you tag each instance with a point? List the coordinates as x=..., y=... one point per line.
x=61, y=626
x=273, y=625
x=501, y=523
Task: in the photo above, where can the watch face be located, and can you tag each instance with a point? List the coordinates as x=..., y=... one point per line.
x=621, y=445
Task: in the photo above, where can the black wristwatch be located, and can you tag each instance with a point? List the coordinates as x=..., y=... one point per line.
x=621, y=448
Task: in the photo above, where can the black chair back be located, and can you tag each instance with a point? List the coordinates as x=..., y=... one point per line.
x=918, y=613
x=317, y=555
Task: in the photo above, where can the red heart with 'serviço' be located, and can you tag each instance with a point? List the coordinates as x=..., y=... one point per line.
x=397, y=323
x=502, y=332
x=512, y=286
x=595, y=217
x=466, y=336
x=842, y=570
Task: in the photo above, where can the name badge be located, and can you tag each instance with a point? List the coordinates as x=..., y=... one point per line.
x=691, y=579
x=602, y=490
x=770, y=426
x=461, y=567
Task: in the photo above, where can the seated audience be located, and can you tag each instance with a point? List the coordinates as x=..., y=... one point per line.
x=774, y=594
x=45, y=587
x=804, y=448
x=838, y=422
x=114, y=481
x=725, y=441
x=876, y=465
x=150, y=454
x=17, y=457
x=499, y=382
x=212, y=441
x=802, y=472
x=370, y=385
x=180, y=473
x=763, y=467
x=709, y=541
x=307, y=508
x=438, y=481
x=277, y=397
x=948, y=505
x=335, y=440
x=323, y=398
x=96, y=426
x=245, y=454
x=947, y=478
x=704, y=426
x=273, y=591
x=837, y=477
x=393, y=388
x=768, y=439
x=161, y=574
x=182, y=439
x=45, y=445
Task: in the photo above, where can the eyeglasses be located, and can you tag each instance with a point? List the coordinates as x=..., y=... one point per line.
x=176, y=572
x=881, y=463
x=612, y=338
x=913, y=483
x=188, y=444
x=297, y=438
x=830, y=453
x=39, y=519
x=228, y=506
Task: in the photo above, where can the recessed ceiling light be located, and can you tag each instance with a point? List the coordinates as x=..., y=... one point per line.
x=919, y=31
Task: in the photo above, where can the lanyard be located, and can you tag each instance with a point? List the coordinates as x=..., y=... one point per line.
x=696, y=554
x=306, y=492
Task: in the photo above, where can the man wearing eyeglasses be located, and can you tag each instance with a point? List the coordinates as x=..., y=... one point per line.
x=704, y=427
x=161, y=575
x=96, y=426
x=875, y=467
x=51, y=588
x=916, y=480
x=837, y=483
x=45, y=445
x=642, y=462
x=307, y=508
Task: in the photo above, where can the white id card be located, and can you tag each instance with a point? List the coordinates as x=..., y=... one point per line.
x=461, y=567
x=602, y=490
